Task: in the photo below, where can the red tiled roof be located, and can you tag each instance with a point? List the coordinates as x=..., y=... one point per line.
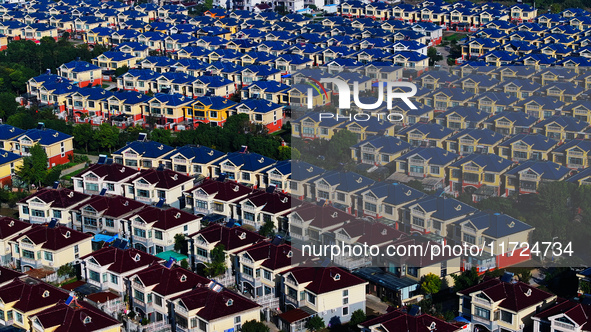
x=110, y=172
x=73, y=285
x=54, y=238
x=513, y=296
x=224, y=191
x=399, y=321
x=78, y=316
x=164, y=179
x=324, y=280
x=168, y=281
x=102, y=297
x=274, y=256
x=61, y=198
x=372, y=233
x=272, y=203
x=576, y=312
x=8, y=274
x=121, y=261
x=294, y=315
x=10, y=227
x=166, y=219
x=322, y=216
x=214, y=304
x=112, y=206
x=32, y=294
x=229, y=237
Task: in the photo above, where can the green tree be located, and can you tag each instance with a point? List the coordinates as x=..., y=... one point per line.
x=434, y=56
x=288, y=153
x=524, y=276
x=121, y=70
x=180, y=243
x=585, y=286
x=83, y=135
x=254, y=326
x=416, y=184
x=218, y=261
x=22, y=120
x=8, y=104
x=315, y=323
x=466, y=279
x=339, y=146
x=163, y=136
x=66, y=270
x=268, y=229
x=34, y=168
x=185, y=264
x=357, y=317
x=106, y=136
x=431, y=284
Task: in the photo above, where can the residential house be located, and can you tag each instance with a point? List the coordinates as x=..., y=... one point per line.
x=528, y=176
x=527, y=147
x=515, y=302
x=48, y=204
x=154, y=229
x=493, y=231
x=244, y=167
x=99, y=177
x=108, y=267
x=434, y=214
x=58, y=146
x=142, y=154
x=331, y=293
x=152, y=186
x=10, y=229
x=379, y=150
x=104, y=215
x=9, y=164
x=50, y=246
x=81, y=73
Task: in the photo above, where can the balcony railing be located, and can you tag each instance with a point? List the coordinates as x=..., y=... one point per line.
x=563, y=326
x=248, y=208
x=275, y=176
x=247, y=277
x=482, y=301
x=35, y=204
x=142, y=185
x=415, y=174
x=37, y=219
x=528, y=177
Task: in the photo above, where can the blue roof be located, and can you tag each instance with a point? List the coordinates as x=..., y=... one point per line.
x=547, y=169
x=491, y=162
x=496, y=225
x=131, y=97
x=148, y=149
x=117, y=56
x=268, y=86
x=44, y=136
x=444, y=208
x=385, y=144
x=247, y=161
x=396, y=193
x=8, y=157
x=260, y=105
x=346, y=181
x=197, y=154
x=434, y=155
x=567, y=122
x=519, y=119
x=7, y=132
x=433, y=130
x=301, y=170
x=172, y=99
x=80, y=66
x=216, y=102
x=537, y=141
x=481, y=136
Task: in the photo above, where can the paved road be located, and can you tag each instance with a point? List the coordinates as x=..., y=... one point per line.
x=374, y=303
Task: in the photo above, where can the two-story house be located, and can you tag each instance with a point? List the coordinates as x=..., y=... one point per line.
x=477, y=170
x=244, y=167
x=528, y=176
x=331, y=293
x=142, y=154
x=434, y=214
x=9, y=229
x=49, y=245
x=58, y=146
x=194, y=160
x=494, y=304
x=216, y=197
x=153, y=186
x=48, y=204
x=107, y=268
x=104, y=214
x=110, y=178
x=261, y=207
x=154, y=229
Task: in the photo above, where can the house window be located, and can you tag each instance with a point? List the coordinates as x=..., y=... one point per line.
x=345, y=311
x=201, y=252
x=388, y=209
x=469, y=238
x=57, y=214
x=247, y=270
x=506, y=317
x=481, y=312
x=25, y=210
x=311, y=298
x=109, y=222
x=114, y=279
x=138, y=295
x=93, y=275
x=158, y=235
x=267, y=274
x=139, y=232
x=28, y=254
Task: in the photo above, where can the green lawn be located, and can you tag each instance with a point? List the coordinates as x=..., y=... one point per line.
x=455, y=36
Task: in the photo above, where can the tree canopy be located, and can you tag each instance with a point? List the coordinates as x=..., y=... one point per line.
x=34, y=168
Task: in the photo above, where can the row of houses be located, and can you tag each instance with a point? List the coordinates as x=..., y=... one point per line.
x=16, y=143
